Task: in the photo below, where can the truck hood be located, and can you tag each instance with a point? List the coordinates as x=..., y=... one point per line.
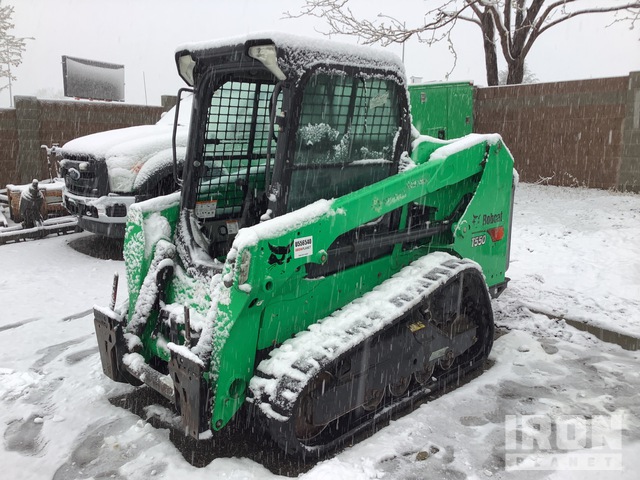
x=134, y=154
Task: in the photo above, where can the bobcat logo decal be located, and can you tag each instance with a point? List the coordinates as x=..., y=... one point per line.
x=280, y=255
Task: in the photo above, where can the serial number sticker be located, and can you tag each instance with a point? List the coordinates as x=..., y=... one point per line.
x=302, y=247
x=478, y=241
x=206, y=209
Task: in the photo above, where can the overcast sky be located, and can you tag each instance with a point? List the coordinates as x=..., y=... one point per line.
x=142, y=35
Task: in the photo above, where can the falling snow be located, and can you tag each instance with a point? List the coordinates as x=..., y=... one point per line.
x=574, y=259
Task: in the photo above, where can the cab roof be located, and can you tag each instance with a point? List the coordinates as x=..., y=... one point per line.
x=295, y=54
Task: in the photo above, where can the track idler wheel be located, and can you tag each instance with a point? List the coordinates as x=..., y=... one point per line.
x=425, y=375
x=400, y=387
x=446, y=362
x=373, y=400
x=305, y=428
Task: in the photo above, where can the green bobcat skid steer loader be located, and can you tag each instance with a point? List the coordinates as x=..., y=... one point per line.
x=320, y=265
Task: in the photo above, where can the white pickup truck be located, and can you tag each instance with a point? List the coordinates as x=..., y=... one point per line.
x=104, y=173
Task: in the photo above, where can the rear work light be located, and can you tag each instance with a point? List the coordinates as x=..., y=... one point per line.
x=496, y=233
x=267, y=54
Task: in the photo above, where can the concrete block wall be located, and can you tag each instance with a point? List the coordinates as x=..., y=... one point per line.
x=9, y=145
x=29, y=165
x=577, y=133
x=36, y=122
x=629, y=170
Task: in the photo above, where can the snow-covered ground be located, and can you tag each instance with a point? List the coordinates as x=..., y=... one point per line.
x=575, y=255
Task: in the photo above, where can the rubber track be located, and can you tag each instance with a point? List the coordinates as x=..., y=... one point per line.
x=300, y=367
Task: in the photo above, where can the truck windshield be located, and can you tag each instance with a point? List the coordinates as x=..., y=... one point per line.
x=345, y=139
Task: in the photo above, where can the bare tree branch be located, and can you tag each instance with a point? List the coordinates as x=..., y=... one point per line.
x=517, y=24
x=471, y=20
x=11, y=47
x=584, y=12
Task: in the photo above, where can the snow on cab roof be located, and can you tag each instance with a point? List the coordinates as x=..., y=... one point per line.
x=300, y=50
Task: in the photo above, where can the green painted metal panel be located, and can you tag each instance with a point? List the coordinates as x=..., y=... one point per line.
x=442, y=110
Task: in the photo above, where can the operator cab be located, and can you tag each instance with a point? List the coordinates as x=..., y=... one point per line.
x=276, y=129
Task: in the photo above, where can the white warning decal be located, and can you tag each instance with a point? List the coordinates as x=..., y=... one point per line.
x=302, y=247
x=206, y=209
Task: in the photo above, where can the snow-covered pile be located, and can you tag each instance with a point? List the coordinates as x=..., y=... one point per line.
x=575, y=254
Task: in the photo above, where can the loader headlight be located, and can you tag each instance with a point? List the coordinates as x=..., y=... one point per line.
x=186, y=64
x=243, y=274
x=266, y=54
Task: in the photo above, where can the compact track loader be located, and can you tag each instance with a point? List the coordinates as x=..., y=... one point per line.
x=322, y=265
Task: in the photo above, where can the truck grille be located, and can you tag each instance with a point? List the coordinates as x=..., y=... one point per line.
x=85, y=177
x=81, y=209
x=116, y=210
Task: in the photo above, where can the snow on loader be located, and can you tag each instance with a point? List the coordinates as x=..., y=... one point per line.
x=320, y=267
